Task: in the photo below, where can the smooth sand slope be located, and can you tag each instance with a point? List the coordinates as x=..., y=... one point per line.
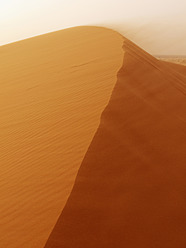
x=53, y=89
x=180, y=60
x=177, y=63
x=131, y=187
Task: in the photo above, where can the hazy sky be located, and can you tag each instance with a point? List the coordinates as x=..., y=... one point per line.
x=20, y=19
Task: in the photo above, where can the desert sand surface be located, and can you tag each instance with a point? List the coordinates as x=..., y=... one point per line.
x=130, y=188
x=53, y=90
x=180, y=60
x=177, y=63
x=178, y=67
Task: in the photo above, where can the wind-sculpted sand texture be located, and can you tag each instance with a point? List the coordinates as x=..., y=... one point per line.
x=174, y=59
x=130, y=188
x=53, y=90
x=179, y=67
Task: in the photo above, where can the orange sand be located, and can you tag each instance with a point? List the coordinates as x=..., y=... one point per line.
x=176, y=60
x=53, y=89
x=130, y=189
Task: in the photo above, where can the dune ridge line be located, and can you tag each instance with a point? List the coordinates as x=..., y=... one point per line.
x=53, y=89
x=130, y=188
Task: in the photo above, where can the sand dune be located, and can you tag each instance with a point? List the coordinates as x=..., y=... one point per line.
x=53, y=90
x=177, y=63
x=180, y=60
x=130, y=189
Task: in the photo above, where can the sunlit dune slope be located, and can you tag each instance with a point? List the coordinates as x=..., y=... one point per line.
x=130, y=189
x=53, y=89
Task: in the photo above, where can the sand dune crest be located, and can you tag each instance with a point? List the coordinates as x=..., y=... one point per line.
x=130, y=189
x=53, y=90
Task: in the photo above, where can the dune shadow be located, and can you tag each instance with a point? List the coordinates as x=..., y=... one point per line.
x=130, y=189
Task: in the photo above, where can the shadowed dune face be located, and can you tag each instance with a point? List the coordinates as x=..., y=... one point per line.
x=130, y=189
x=178, y=66
x=176, y=60
x=53, y=89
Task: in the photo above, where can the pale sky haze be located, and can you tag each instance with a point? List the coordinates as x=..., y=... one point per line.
x=137, y=19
